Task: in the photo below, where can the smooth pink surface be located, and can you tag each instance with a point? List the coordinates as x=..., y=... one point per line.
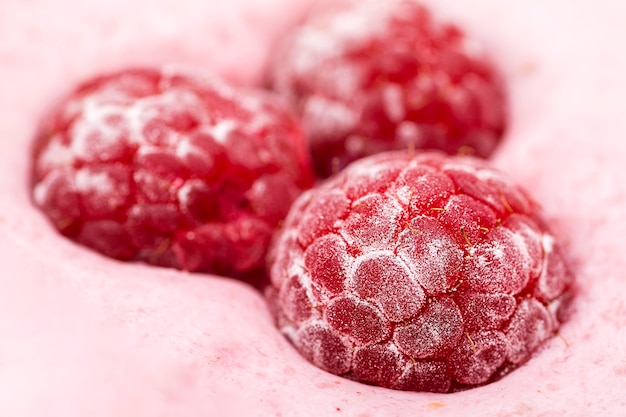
x=84, y=335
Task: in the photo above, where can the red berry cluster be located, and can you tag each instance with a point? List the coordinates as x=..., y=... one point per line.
x=424, y=272
x=371, y=76
x=410, y=270
x=171, y=170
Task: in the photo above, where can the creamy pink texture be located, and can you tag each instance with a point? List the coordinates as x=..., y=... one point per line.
x=84, y=335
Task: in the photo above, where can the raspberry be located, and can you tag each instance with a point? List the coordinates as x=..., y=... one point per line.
x=170, y=169
x=421, y=272
x=381, y=75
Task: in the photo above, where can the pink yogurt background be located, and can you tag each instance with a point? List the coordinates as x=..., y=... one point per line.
x=81, y=335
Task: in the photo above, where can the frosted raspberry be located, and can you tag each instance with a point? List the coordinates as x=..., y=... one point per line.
x=170, y=169
x=419, y=272
x=369, y=76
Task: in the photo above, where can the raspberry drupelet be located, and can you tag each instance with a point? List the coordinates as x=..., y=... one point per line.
x=421, y=272
x=370, y=76
x=171, y=169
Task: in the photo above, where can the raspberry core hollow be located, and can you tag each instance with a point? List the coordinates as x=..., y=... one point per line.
x=420, y=272
x=170, y=169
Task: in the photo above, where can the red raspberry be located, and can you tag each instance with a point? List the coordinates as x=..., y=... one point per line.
x=170, y=169
x=379, y=75
x=425, y=273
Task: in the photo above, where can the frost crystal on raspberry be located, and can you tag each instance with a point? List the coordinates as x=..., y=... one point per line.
x=370, y=76
x=170, y=169
x=420, y=272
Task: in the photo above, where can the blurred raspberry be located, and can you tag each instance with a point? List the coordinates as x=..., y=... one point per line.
x=370, y=76
x=170, y=169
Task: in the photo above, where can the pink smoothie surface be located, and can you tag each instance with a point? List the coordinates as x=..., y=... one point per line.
x=83, y=335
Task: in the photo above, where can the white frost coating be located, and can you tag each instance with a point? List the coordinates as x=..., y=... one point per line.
x=222, y=130
x=375, y=228
x=94, y=121
x=497, y=248
x=438, y=327
x=133, y=116
x=461, y=166
x=260, y=120
x=95, y=111
x=153, y=107
x=318, y=46
x=146, y=150
x=184, y=191
x=404, y=194
x=330, y=35
x=251, y=102
x=259, y=187
x=521, y=248
x=430, y=253
x=349, y=27
x=222, y=89
x=372, y=256
x=40, y=192
x=547, y=243
x=399, y=295
x=328, y=117
x=393, y=102
x=315, y=349
x=367, y=168
x=297, y=268
x=391, y=347
x=55, y=155
x=503, y=262
x=185, y=149
x=438, y=256
x=289, y=330
x=486, y=175
x=553, y=308
x=406, y=371
x=474, y=366
x=494, y=248
x=435, y=249
x=42, y=189
x=185, y=101
x=524, y=339
x=87, y=181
